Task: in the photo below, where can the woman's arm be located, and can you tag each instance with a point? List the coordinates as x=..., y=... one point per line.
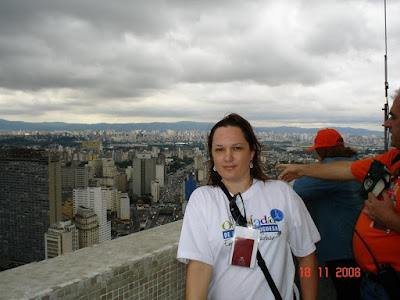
x=308, y=276
x=198, y=276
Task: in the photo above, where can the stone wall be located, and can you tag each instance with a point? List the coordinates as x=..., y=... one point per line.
x=139, y=266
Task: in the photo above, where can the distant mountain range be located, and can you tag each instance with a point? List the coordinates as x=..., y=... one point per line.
x=161, y=126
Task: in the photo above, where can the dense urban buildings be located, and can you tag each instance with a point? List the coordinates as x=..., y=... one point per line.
x=107, y=184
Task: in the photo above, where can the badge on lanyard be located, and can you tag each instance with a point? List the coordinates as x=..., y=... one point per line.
x=244, y=247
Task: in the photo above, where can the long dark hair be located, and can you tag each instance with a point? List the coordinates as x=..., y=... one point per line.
x=235, y=120
x=335, y=151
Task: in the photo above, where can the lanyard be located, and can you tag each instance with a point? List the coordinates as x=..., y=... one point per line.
x=234, y=209
x=241, y=220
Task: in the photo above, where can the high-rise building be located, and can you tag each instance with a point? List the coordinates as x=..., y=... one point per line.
x=198, y=162
x=155, y=151
x=66, y=154
x=30, y=200
x=155, y=191
x=95, y=198
x=61, y=238
x=105, y=170
x=111, y=198
x=87, y=225
x=143, y=172
x=73, y=176
x=81, y=176
x=96, y=168
x=201, y=174
x=123, y=209
x=109, y=169
x=122, y=182
x=67, y=210
x=118, y=155
x=160, y=174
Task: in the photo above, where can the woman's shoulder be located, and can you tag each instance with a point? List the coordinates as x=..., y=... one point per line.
x=272, y=185
x=205, y=190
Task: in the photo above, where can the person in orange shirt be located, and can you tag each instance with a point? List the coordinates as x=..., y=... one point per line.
x=376, y=243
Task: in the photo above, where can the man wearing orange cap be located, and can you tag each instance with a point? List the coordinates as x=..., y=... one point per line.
x=334, y=207
x=376, y=244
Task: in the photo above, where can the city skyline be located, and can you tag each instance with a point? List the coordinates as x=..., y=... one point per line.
x=9, y=127
x=300, y=63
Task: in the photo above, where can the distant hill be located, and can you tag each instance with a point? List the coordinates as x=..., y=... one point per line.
x=299, y=130
x=161, y=126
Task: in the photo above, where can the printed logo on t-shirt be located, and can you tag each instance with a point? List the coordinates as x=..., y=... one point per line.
x=267, y=224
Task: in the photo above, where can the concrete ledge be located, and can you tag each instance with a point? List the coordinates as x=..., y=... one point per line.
x=138, y=266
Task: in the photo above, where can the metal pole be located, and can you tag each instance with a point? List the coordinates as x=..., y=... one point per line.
x=386, y=106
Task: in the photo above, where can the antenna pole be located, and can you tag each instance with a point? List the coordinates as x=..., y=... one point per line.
x=386, y=106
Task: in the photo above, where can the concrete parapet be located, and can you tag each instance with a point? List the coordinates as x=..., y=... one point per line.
x=139, y=266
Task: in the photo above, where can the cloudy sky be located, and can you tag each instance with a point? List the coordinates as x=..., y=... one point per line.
x=308, y=63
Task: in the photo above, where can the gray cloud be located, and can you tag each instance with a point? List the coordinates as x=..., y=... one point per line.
x=298, y=62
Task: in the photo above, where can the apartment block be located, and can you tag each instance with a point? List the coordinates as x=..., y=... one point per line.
x=30, y=200
x=87, y=225
x=61, y=238
x=143, y=172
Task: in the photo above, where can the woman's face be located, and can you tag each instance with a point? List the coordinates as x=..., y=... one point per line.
x=231, y=154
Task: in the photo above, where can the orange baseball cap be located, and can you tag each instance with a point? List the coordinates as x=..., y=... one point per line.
x=327, y=138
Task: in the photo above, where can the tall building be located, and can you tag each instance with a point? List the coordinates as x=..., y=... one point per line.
x=109, y=169
x=88, y=227
x=66, y=155
x=111, y=198
x=73, y=176
x=61, y=238
x=105, y=170
x=67, y=210
x=155, y=151
x=155, y=191
x=122, y=182
x=30, y=200
x=199, y=162
x=96, y=168
x=143, y=172
x=117, y=155
x=124, y=207
x=160, y=174
x=81, y=176
x=95, y=198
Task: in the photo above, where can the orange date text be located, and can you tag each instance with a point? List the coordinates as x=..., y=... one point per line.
x=340, y=272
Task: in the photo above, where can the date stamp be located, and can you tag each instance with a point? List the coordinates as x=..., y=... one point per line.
x=340, y=272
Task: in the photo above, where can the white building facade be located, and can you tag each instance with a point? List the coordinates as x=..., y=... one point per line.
x=95, y=198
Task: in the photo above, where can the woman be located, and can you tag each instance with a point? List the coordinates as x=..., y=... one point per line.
x=335, y=207
x=269, y=206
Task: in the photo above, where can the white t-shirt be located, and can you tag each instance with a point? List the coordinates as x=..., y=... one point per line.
x=285, y=227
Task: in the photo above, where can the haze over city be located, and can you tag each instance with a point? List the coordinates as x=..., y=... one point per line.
x=293, y=63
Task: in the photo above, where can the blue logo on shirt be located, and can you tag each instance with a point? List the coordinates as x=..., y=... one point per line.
x=277, y=215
